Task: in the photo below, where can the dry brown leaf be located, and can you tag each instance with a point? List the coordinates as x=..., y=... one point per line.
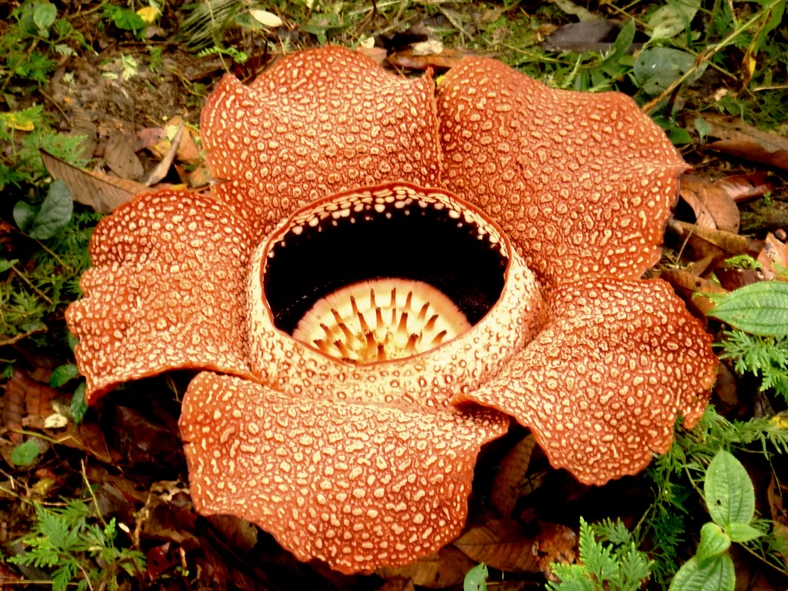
x=378, y=54
x=713, y=206
x=500, y=544
x=555, y=543
x=408, y=59
x=238, y=533
x=726, y=387
x=692, y=284
x=745, y=141
x=728, y=241
x=701, y=266
x=121, y=159
x=83, y=125
x=87, y=437
x=26, y=402
x=163, y=167
x=445, y=568
x=511, y=475
x=14, y=407
x=772, y=257
x=101, y=192
x=746, y=187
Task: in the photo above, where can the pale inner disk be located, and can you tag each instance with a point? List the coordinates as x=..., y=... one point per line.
x=381, y=319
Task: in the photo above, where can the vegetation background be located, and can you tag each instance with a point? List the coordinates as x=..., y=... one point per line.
x=111, y=93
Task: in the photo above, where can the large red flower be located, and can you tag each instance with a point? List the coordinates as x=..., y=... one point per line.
x=447, y=261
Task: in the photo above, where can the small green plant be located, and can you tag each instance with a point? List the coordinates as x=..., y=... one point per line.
x=239, y=57
x=24, y=133
x=766, y=357
x=665, y=523
x=125, y=19
x=476, y=578
x=609, y=561
x=730, y=499
x=78, y=548
x=34, y=36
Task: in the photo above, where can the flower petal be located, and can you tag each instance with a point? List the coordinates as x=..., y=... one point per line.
x=602, y=385
x=358, y=486
x=583, y=183
x=315, y=123
x=167, y=291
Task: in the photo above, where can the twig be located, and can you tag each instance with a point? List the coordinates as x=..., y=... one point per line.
x=57, y=106
x=24, y=278
x=19, y=337
x=706, y=56
x=92, y=494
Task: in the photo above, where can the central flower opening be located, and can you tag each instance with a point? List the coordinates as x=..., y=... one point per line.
x=384, y=273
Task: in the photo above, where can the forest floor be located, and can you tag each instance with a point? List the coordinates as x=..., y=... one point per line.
x=112, y=93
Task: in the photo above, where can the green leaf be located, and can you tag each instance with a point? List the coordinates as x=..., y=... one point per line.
x=672, y=19
x=25, y=453
x=78, y=405
x=63, y=374
x=730, y=495
x=718, y=574
x=741, y=532
x=656, y=68
x=5, y=264
x=24, y=214
x=44, y=15
x=55, y=212
x=476, y=579
x=623, y=40
x=704, y=129
x=679, y=136
x=713, y=542
x=760, y=309
x=72, y=340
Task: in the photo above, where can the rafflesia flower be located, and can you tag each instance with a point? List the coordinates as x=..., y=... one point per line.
x=381, y=280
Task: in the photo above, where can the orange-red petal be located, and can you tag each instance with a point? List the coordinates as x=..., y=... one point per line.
x=581, y=182
x=316, y=123
x=358, y=486
x=167, y=291
x=602, y=384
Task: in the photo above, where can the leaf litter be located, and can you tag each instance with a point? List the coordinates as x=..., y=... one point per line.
x=131, y=446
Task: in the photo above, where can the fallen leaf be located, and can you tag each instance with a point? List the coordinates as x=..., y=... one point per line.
x=377, y=54
x=726, y=387
x=555, y=543
x=713, y=205
x=442, y=61
x=691, y=285
x=83, y=125
x=265, y=18
x=163, y=167
x=511, y=475
x=446, y=568
x=595, y=35
x=238, y=534
x=745, y=187
x=732, y=278
x=582, y=14
x=500, y=544
x=100, y=191
x=773, y=257
x=728, y=241
x=741, y=140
